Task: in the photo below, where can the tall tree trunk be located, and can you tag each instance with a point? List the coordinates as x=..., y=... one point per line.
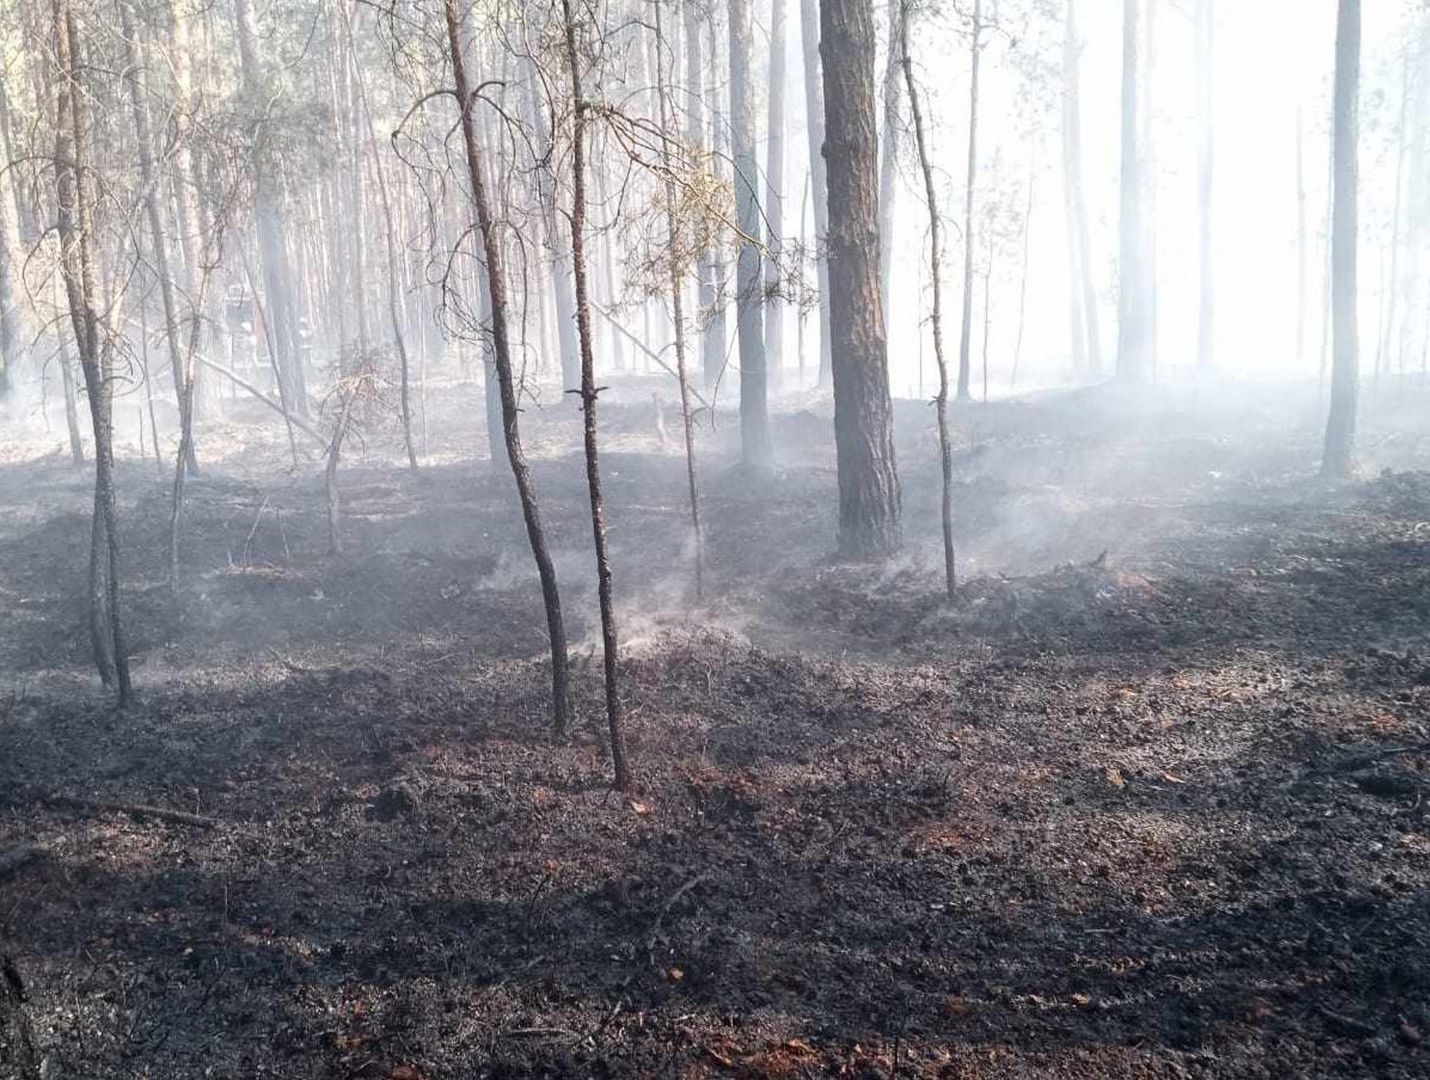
x=1341, y=423
x=1301, y=240
x=29, y=210
x=272, y=228
x=965, y=340
x=144, y=372
x=75, y=202
x=889, y=158
x=945, y=447
x=562, y=292
x=491, y=391
x=610, y=639
x=394, y=274
x=194, y=216
x=774, y=193
x=869, y=498
x=341, y=425
x=12, y=249
x=707, y=269
x=1082, y=292
x=802, y=313
x=1327, y=264
x=9, y=310
x=756, y=449
x=611, y=285
x=521, y=473
x=715, y=344
x=68, y=387
x=1024, y=264
x=159, y=241
x=987, y=299
x=676, y=249
x=355, y=219
x=814, y=128
x=1206, y=117
x=1150, y=180
x=1402, y=140
x=181, y=459
x=1132, y=358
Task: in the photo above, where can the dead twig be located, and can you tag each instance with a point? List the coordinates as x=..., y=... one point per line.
x=539, y=1033
x=1342, y=1024
x=291, y=665
x=670, y=902
x=247, y=543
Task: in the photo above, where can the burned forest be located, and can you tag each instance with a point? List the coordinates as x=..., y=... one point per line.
x=714, y=538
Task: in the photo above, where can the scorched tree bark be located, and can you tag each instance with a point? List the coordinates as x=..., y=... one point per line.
x=869, y=497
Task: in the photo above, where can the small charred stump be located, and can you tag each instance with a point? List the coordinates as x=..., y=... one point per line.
x=398, y=800
x=17, y=1046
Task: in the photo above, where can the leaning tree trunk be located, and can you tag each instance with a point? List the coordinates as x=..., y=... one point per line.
x=610, y=639
x=75, y=219
x=945, y=448
x=965, y=340
x=1341, y=423
x=814, y=127
x=496, y=278
x=869, y=498
x=491, y=390
x=756, y=449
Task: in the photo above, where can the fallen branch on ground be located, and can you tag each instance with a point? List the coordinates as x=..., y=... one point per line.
x=137, y=810
x=650, y=353
x=297, y=421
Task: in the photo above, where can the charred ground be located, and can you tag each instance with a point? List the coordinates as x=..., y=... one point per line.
x=1147, y=800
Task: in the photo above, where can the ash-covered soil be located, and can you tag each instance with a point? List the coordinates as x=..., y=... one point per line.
x=1147, y=799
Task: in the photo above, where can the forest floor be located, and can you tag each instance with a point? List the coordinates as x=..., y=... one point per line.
x=1148, y=799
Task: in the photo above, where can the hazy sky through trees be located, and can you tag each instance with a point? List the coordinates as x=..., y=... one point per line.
x=1273, y=58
